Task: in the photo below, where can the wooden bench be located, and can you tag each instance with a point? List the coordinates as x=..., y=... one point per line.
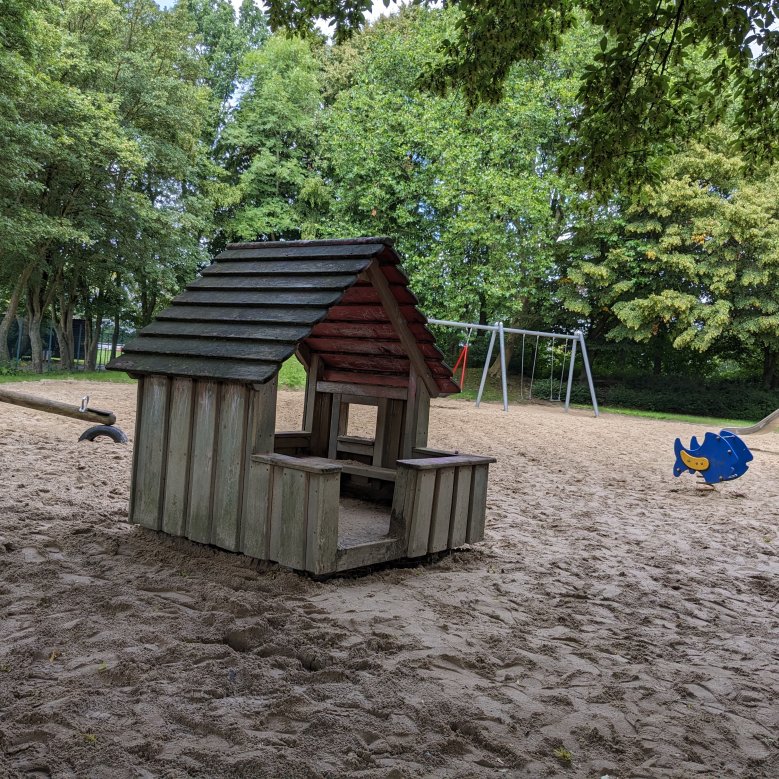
x=368, y=471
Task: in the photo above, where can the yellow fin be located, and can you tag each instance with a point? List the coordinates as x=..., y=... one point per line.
x=696, y=463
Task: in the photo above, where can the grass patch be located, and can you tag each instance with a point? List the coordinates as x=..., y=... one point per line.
x=496, y=397
x=292, y=374
x=670, y=417
x=114, y=377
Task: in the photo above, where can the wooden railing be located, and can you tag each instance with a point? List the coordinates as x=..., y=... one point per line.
x=300, y=511
x=440, y=502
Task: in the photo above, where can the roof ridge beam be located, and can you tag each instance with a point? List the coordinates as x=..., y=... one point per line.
x=395, y=316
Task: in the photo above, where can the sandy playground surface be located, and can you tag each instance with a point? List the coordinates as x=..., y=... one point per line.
x=616, y=621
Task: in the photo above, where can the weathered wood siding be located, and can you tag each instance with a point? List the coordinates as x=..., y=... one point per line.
x=150, y=451
x=302, y=521
x=440, y=502
x=193, y=475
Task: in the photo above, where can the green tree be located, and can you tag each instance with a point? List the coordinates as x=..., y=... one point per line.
x=641, y=91
x=23, y=139
x=224, y=39
x=117, y=98
x=693, y=264
x=474, y=198
x=271, y=146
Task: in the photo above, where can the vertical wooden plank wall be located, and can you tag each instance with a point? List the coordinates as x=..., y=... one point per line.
x=442, y=510
x=150, y=446
x=193, y=474
x=440, y=505
x=303, y=516
x=322, y=527
x=205, y=468
x=421, y=516
x=256, y=505
x=477, y=507
x=288, y=517
x=202, y=461
x=229, y=466
x=174, y=511
x=461, y=493
x=136, y=442
x=256, y=511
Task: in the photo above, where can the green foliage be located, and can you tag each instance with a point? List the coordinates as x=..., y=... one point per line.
x=473, y=197
x=693, y=263
x=684, y=395
x=643, y=90
x=292, y=374
x=270, y=145
x=137, y=141
x=719, y=423
x=223, y=43
x=111, y=196
x=565, y=756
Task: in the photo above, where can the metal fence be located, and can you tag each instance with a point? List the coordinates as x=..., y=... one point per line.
x=19, y=345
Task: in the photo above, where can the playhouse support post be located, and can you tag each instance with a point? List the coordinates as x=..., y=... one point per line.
x=312, y=376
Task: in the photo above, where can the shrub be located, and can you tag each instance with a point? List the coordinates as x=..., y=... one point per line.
x=677, y=395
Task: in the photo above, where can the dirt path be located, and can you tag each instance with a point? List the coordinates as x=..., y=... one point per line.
x=616, y=620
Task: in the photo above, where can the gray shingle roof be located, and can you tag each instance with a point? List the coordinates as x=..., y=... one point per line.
x=250, y=310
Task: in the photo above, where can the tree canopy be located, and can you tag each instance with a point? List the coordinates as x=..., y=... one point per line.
x=644, y=89
x=138, y=140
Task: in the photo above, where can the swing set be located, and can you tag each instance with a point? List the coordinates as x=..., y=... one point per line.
x=567, y=359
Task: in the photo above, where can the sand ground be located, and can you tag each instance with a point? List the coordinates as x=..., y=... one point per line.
x=616, y=621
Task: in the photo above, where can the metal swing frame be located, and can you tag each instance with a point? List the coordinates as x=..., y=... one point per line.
x=498, y=332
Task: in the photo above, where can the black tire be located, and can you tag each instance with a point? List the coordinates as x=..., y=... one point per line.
x=114, y=433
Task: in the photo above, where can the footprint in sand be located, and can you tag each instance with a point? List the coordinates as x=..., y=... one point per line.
x=31, y=555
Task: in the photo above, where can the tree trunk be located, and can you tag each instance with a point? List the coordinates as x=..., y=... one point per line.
x=510, y=340
x=96, y=331
x=63, y=327
x=89, y=329
x=115, y=337
x=34, y=319
x=770, y=359
x=5, y=328
x=520, y=321
x=148, y=302
x=65, y=343
x=10, y=314
x=40, y=294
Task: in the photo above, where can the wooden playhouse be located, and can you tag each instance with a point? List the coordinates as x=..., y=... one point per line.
x=208, y=464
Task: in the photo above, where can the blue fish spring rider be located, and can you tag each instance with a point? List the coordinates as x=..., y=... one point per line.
x=721, y=457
